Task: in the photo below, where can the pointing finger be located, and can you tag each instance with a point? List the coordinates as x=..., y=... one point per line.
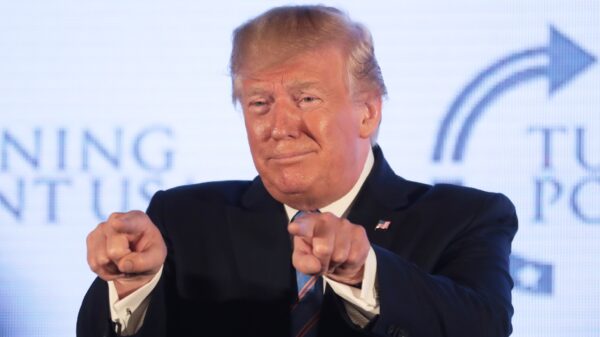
x=303, y=259
x=97, y=257
x=117, y=246
x=133, y=222
x=302, y=226
x=322, y=250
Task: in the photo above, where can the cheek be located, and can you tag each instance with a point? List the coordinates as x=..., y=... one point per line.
x=320, y=124
x=335, y=129
x=257, y=130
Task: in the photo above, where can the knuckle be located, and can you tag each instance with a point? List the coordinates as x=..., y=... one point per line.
x=359, y=230
x=328, y=217
x=100, y=226
x=339, y=257
x=136, y=213
x=293, y=228
x=117, y=221
x=352, y=256
x=92, y=236
x=115, y=224
x=114, y=252
x=357, y=256
x=322, y=250
x=347, y=226
x=114, y=216
x=96, y=264
x=89, y=239
x=102, y=260
x=93, y=264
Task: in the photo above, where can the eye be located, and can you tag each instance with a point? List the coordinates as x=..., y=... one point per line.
x=258, y=106
x=257, y=103
x=308, y=101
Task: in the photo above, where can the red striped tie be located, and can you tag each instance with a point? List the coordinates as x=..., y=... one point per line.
x=305, y=311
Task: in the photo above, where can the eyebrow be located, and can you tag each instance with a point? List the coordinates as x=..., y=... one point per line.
x=295, y=85
x=257, y=91
x=300, y=85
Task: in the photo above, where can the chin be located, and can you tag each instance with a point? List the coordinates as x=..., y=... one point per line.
x=291, y=188
x=288, y=191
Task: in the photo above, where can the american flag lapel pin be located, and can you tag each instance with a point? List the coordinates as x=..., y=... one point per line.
x=383, y=224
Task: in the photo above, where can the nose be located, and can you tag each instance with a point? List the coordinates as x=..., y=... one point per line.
x=286, y=121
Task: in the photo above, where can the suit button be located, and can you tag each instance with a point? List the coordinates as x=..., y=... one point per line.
x=402, y=333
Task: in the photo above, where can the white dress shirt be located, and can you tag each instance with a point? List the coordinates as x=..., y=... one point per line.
x=361, y=304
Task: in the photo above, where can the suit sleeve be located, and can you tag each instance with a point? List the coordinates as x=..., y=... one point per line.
x=468, y=292
x=94, y=315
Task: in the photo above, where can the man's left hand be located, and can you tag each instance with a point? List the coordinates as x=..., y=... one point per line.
x=328, y=245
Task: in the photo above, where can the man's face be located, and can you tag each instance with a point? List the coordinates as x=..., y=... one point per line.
x=307, y=133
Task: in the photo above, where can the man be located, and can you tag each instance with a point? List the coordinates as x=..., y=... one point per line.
x=385, y=256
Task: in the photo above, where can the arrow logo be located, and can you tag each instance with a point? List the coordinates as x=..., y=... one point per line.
x=566, y=60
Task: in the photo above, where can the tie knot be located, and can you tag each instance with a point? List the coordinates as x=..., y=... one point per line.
x=301, y=213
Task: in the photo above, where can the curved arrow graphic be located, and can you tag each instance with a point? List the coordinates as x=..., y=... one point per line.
x=514, y=80
x=470, y=88
x=566, y=61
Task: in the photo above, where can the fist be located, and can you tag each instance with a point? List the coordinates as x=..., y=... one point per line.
x=127, y=249
x=328, y=245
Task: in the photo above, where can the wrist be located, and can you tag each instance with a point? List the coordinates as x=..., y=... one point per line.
x=129, y=284
x=352, y=279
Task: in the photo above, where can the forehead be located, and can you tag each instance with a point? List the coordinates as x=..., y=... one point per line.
x=320, y=68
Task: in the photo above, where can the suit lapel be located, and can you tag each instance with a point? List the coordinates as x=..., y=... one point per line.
x=261, y=243
x=383, y=197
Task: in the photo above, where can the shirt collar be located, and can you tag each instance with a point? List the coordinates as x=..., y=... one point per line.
x=341, y=206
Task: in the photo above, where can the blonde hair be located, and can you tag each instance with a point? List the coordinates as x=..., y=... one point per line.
x=282, y=32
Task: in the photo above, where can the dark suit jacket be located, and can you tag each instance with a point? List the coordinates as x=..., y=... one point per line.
x=442, y=265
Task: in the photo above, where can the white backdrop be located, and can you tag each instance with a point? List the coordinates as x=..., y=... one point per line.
x=104, y=102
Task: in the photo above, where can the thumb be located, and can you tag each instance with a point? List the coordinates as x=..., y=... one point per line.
x=148, y=261
x=302, y=258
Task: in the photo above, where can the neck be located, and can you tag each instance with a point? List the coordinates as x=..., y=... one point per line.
x=344, y=196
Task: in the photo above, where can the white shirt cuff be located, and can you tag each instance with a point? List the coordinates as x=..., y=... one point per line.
x=129, y=312
x=365, y=298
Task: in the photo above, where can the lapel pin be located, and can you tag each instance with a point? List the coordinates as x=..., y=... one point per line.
x=383, y=224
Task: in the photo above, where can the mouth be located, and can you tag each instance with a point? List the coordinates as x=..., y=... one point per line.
x=289, y=157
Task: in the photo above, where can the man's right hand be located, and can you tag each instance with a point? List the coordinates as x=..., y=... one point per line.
x=127, y=249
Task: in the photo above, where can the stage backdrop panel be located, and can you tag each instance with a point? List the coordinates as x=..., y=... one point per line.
x=105, y=102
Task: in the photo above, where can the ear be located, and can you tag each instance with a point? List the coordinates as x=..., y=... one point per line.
x=370, y=116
